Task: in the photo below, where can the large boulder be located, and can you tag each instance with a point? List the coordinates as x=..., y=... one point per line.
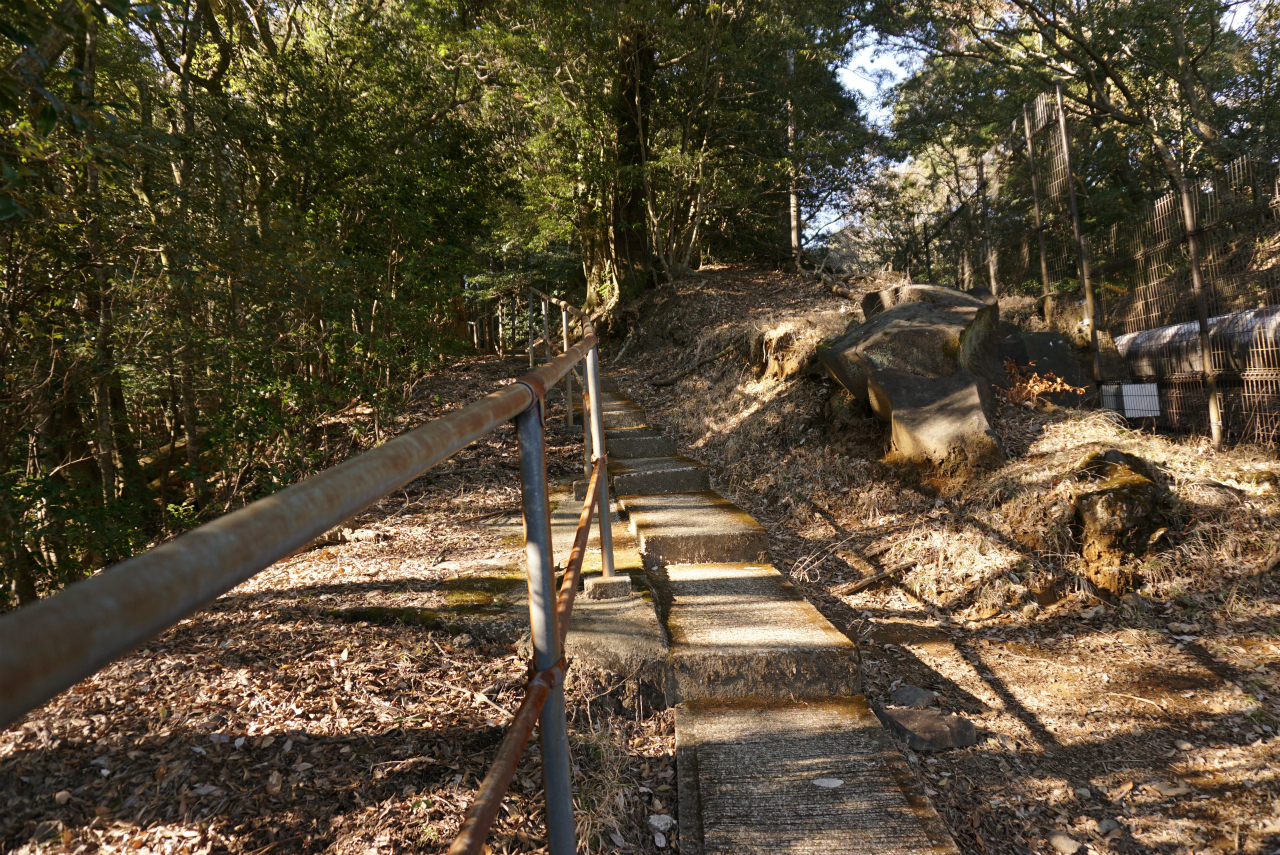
x=925, y=364
x=875, y=302
x=944, y=420
x=1119, y=506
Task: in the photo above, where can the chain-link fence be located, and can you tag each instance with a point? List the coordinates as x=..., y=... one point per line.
x=1125, y=292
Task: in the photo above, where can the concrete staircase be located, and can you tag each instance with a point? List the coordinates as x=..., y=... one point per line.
x=777, y=750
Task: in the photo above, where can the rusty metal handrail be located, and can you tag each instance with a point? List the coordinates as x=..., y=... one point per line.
x=93, y=622
x=484, y=808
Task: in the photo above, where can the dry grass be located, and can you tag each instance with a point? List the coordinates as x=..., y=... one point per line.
x=1062, y=681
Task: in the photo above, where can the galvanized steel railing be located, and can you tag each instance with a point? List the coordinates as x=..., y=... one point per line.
x=90, y=624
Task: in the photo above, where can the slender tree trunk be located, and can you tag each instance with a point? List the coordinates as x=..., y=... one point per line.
x=793, y=193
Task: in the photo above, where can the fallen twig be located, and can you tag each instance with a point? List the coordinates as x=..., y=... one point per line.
x=1136, y=698
x=476, y=695
x=855, y=587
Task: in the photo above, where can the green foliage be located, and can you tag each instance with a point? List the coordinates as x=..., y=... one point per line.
x=221, y=223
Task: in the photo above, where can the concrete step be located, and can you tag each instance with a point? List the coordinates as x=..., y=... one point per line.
x=564, y=526
x=742, y=630
x=694, y=528
x=749, y=783
x=617, y=411
x=633, y=443
x=651, y=476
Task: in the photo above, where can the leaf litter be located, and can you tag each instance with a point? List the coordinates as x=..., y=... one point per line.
x=348, y=699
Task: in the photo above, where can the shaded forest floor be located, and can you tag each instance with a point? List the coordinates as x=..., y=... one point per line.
x=349, y=699
x=1147, y=723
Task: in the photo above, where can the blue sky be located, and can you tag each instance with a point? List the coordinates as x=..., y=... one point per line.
x=861, y=73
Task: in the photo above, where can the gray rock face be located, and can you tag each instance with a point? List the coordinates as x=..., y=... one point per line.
x=924, y=364
x=925, y=730
x=876, y=302
x=947, y=420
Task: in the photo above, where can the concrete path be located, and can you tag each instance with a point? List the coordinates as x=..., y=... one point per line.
x=776, y=749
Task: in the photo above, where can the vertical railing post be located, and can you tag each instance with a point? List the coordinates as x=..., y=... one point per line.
x=546, y=334
x=597, y=444
x=530, y=327
x=568, y=378
x=556, y=767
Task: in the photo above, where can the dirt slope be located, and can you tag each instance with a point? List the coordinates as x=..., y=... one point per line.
x=1147, y=724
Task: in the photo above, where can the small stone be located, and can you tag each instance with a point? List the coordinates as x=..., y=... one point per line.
x=925, y=730
x=463, y=640
x=1063, y=843
x=1183, y=745
x=910, y=696
x=828, y=783
x=659, y=840
x=1107, y=825
x=1084, y=792
x=661, y=822
x=62, y=797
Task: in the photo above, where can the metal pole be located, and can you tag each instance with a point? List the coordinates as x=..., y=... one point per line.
x=597, y=444
x=1035, y=198
x=1202, y=313
x=1082, y=251
x=531, y=328
x=546, y=335
x=556, y=767
x=568, y=378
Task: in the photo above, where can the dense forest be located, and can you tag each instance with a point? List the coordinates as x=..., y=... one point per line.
x=224, y=221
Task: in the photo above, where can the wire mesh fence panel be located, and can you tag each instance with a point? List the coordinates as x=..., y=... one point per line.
x=1140, y=260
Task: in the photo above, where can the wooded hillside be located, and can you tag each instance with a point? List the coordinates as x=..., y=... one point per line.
x=224, y=221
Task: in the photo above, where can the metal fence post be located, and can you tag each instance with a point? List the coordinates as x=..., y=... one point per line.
x=531, y=328
x=556, y=766
x=597, y=444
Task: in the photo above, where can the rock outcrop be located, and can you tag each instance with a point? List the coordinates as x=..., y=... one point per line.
x=924, y=361
x=1119, y=506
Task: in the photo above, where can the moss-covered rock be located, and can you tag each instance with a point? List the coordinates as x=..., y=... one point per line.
x=1119, y=505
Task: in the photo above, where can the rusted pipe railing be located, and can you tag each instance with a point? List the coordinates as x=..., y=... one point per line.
x=573, y=570
x=90, y=624
x=484, y=809
x=593, y=429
